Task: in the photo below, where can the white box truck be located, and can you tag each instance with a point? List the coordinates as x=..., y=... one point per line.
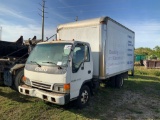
x=85, y=53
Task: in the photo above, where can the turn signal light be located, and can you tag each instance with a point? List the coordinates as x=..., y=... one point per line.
x=66, y=87
x=24, y=78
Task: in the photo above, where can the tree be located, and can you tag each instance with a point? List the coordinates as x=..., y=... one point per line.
x=151, y=53
x=157, y=48
x=157, y=51
x=143, y=51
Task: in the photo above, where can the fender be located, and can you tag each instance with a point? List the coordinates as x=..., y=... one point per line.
x=89, y=83
x=16, y=67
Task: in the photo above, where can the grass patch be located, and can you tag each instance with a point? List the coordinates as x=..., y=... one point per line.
x=157, y=110
x=141, y=70
x=138, y=99
x=135, y=111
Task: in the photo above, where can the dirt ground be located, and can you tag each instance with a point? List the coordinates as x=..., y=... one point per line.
x=137, y=106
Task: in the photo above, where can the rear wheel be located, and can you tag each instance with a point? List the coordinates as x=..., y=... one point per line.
x=119, y=81
x=84, y=97
x=111, y=82
x=18, y=79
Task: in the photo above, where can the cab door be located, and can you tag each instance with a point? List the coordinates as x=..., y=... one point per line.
x=82, y=68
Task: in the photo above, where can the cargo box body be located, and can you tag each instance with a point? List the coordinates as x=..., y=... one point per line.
x=111, y=43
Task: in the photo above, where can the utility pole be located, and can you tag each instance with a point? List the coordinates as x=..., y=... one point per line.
x=42, y=15
x=76, y=18
x=0, y=33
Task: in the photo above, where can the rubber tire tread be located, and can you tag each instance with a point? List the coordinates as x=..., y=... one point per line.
x=119, y=78
x=17, y=78
x=78, y=102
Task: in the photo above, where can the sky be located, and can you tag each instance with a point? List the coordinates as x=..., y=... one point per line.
x=21, y=17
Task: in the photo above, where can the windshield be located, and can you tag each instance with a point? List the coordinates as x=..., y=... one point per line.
x=50, y=54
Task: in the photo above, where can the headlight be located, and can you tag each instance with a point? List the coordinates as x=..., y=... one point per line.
x=63, y=88
x=26, y=81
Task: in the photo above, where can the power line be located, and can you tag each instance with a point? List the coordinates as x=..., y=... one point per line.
x=76, y=18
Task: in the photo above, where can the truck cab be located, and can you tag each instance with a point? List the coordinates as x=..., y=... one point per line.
x=59, y=72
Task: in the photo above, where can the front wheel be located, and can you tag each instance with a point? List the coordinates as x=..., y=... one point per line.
x=18, y=79
x=84, y=97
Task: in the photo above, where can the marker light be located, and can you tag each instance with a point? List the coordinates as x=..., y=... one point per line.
x=66, y=87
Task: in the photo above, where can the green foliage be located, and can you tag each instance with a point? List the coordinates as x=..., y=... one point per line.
x=156, y=73
x=143, y=51
x=152, y=57
x=157, y=51
x=151, y=53
x=157, y=48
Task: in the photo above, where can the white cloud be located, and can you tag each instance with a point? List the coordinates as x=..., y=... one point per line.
x=5, y=11
x=12, y=32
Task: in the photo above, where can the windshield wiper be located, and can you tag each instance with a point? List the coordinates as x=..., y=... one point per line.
x=59, y=67
x=36, y=63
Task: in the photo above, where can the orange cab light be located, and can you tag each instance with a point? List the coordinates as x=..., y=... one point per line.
x=66, y=86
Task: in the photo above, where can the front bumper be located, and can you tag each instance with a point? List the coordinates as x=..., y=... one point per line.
x=56, y=98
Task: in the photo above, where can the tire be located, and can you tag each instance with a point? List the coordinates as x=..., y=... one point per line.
x=84, y=97
x=111, y=82
x=119, y=81
x=132, y=72
x=18, y=79
x=96, y=84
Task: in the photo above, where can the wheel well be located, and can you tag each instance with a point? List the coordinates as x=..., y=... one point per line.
x=16, y=68
x=125, y=75
x=17, y=78
x=89, y=84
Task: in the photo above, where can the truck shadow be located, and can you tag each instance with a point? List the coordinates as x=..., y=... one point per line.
x=98, y=106
x=13, y=95
x=110, y=103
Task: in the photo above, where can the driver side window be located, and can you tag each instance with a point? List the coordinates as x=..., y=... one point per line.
x=80, y=54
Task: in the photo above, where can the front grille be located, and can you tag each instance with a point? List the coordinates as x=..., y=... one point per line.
x=41, y=85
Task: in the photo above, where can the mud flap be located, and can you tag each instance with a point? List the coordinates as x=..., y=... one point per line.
x=7, y=78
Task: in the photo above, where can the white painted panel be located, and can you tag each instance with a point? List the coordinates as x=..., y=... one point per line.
x=119, y=49
x=45, y=78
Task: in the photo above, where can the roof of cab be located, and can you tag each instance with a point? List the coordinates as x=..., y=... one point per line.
x=62, y=41
x=57, y=41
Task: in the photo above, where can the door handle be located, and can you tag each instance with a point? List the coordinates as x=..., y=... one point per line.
x=89, y=71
